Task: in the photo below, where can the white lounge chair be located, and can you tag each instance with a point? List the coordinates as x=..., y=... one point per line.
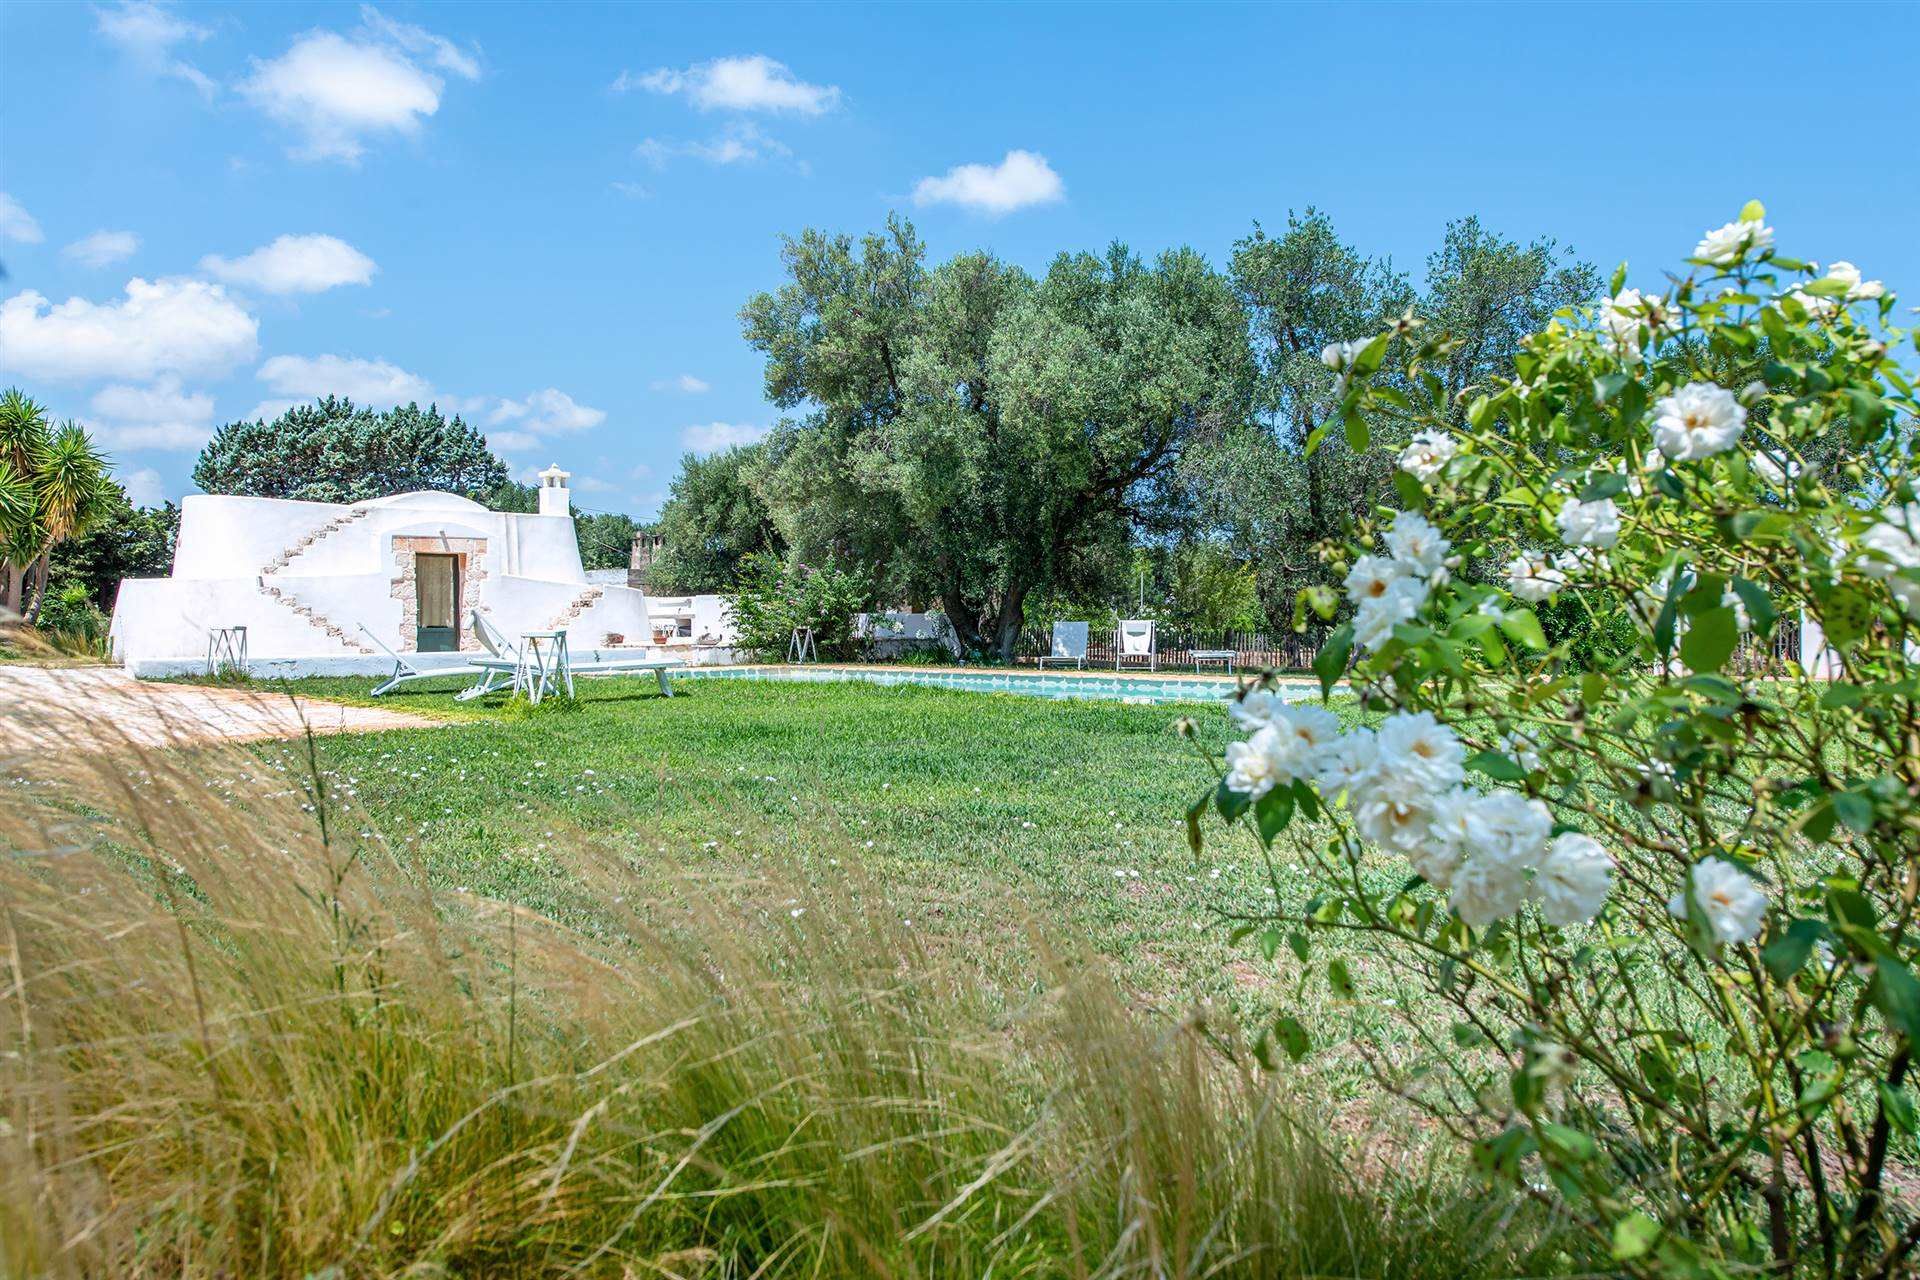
x=502, y=660
x=405, y=672
x=1069, y=645
x=1134, y=642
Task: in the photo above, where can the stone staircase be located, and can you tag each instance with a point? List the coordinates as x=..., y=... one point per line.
x=313, y=617
x=326, y=530
x=581, y=603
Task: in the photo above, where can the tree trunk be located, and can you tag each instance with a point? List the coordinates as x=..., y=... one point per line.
x=1012, y=615
x=11, y=597
x=966, y=627
x=39, y=587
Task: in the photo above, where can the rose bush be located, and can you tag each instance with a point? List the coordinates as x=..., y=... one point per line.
x=1658, y=923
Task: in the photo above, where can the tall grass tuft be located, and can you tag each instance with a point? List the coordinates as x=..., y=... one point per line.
x=241, y=1036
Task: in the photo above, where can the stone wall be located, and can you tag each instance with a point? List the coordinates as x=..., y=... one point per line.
x=473, y=571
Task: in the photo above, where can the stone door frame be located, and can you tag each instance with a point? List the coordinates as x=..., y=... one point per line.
x=471, y=554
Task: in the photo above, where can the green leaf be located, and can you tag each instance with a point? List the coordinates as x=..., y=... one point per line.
x=1300, y=945
x=1759, y=604
x=1412, y=496
x=1273, y=812
x=1231, y=803
x=1606, y=486
x=1330, y=664
x=1524, y=627
x=1356, y=428
x=1896, y=994
x=1496, y=765
x=1634, y=1236
x=1855, y=810
x=1619, y=278
x=1340, y=978
x=1195, y=812
x=1710, y=641
x=1787, y=954
x=1897, y=1107
x=1292, y=1036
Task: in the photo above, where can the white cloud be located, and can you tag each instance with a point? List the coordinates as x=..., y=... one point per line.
x=157, y=416
x=295, y=264
x=337, y=91
x=715, y=436
x=590, y=484
x=442, y=52
x=16, y=223
x=143, y=486
x=103, y=248
x=633, y=190
x=751, y=83
x=173, y=325
x=686, y=383
x=1024, y=178
x=374, y=383
x=512, y=441
x=737, y=144
x=547, y=412
x=147, y=33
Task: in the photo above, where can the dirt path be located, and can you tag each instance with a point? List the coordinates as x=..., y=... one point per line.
x=84, y=706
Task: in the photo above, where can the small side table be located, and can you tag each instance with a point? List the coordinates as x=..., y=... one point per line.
x=543, y=667
x=1225, y=657
x=226, y=650
x=801, y=647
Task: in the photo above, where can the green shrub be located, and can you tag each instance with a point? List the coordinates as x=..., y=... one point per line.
x=70, y=620
x=772, y=597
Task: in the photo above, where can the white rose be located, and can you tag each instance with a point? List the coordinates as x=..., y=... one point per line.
x=1733, y=904
x=1313, y=729
x=1627, y=314
x=1373, y=576
x=1253, y=708
x=1724, y=246
x=1428, y=454
x=1258, y=764
x=1415, y=543
x=1416, y=755
x=1398, y=823
x=1523, y=750
x=1344, y=762
x=1573, y=880
x=1532, y=578
x=1376, y=616
x=1589, y=524
x=1338, y=355
x=1698, y=420
x=1858, y=290
x=1888, y=547
x=1507, y=835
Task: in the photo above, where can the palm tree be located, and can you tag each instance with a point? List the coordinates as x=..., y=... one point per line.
x=73, y=492
x=54, y=485
x=24, y=438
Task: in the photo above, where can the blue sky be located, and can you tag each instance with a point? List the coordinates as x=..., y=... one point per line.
x=548, y=217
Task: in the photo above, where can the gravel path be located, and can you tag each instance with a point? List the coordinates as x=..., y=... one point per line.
x=96, y=706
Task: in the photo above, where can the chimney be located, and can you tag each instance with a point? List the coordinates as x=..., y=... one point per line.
x=555, y=500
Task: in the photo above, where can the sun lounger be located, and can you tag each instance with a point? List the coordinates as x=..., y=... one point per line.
x=404, y=671
x=500, y=660
x=1069, y=644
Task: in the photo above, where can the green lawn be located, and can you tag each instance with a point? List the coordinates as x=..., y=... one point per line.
x=982, y=817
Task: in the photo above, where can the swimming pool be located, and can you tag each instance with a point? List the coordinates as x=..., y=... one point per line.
x=1122, y=687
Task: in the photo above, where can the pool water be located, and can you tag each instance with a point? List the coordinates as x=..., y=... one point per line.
x=1120, y=687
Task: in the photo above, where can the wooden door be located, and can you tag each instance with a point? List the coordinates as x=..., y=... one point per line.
x=437, y=582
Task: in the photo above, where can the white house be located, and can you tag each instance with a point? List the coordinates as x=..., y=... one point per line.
x=315, y=583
